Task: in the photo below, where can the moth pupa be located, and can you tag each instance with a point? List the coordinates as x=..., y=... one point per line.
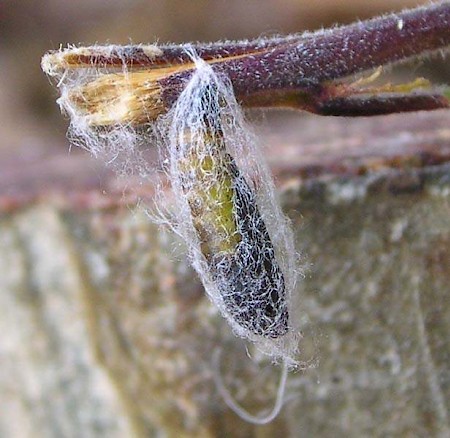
x=233, y=236
x=219, y=214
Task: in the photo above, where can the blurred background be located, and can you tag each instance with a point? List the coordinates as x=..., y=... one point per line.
x=32, y=127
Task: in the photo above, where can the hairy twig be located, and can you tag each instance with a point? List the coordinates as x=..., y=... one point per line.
x=303, y=71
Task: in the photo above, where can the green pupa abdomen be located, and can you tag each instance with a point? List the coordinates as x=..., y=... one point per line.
x=233, y=236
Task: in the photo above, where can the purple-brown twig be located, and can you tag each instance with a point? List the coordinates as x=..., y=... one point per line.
x=299, y=71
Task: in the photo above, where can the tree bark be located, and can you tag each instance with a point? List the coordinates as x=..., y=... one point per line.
x=106, y=330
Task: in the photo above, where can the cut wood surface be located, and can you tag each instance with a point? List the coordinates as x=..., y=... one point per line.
x=106, y=330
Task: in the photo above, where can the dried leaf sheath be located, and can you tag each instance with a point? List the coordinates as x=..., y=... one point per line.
x=233, y=236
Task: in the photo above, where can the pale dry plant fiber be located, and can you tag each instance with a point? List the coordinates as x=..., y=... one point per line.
x=121, y=145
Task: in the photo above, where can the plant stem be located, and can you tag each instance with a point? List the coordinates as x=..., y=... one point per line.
x=294, y=74
x=297, y=71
